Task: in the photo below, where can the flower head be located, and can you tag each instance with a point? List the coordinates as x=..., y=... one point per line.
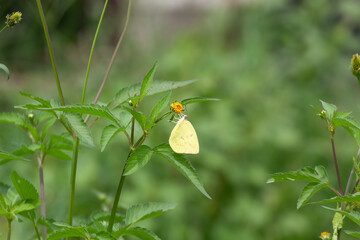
x=13, y=19
x=177, y=107
x=325, y=236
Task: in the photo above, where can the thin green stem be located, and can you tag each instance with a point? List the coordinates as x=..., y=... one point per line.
x=117, y=196
x=9, y=230
x=36, y=230
x=43, y=202
x=51, y=52
x=73, y=179
x=351, y=173
x=92, y=51
x=6, y=26
x=336, y=165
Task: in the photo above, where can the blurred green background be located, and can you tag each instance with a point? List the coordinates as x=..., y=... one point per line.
x=267, y=61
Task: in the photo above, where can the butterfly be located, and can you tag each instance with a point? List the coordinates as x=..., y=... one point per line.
x=183, y=138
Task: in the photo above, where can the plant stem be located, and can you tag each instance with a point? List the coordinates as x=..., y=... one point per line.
x=37, y=231
x=92, y=51
x=336, y=165
x=117, y=196
x=51, y=52
x=114, y=53
x=9, y=230
x=42, y=193
x=6, y=26
x=73, y=179
x=351, y=173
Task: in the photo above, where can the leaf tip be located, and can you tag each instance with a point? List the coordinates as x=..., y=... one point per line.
x=270, y=180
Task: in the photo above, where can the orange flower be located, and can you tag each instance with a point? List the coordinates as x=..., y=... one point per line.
x=177, y=107
x=325, y=236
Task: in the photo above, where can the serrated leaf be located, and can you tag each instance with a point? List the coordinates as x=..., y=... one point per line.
x=24, y=206
x=26, y=150
x=353, y=215
x=138, y=159
x=92, y=109
x=345, y=122
x=139, y=117
x=104, y=236
x=142, y=211
x=349, y=198
x=69, y=231
x=48, y=223
x=108, y=134
x=198, y=99
x=329, y=108
x=182, y=164
x=25, y=189
x=354, y=133
x=146, y=83
x=156, y=87
x=304, y=174
x=6, y=70
x=352, y=233
x=139, y=232
x=158, y=108
x=45, y=103
x=80, y=128
x=309, y=191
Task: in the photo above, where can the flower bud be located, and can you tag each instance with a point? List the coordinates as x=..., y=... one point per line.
x=325, y=236
x=13, y=19
x=355, y=66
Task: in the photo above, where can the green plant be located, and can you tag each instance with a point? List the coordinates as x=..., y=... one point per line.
x=124, y=114
x=347, y=200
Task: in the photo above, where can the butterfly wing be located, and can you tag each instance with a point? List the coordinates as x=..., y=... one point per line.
x=183, y=138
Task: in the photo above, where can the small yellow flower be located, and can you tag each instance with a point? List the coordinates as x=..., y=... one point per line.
x=177, y=107
x=325, y=236
x=13, y=19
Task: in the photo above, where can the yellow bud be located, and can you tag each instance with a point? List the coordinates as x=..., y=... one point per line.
x=13, y=19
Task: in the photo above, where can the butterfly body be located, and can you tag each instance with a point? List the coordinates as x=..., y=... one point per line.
x=183, y=138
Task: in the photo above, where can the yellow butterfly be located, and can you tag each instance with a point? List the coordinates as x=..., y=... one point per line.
x=183, y=138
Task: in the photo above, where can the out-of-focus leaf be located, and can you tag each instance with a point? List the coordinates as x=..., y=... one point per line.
x=20, y=121
x=6, y=70
x=69, y=231
x=7, y=157
x=141, y=233
x=353, y=215
x=304, y=174
x=352, y=233
x=142, y=211
x=329, y=108
x=198, y=99
x=44, y=102
x=182, y=165
x=349, y=198
x=108, y=134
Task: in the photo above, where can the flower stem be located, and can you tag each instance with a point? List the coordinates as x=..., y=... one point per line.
x=336, y=165
x=9, y=230
x=6, y=26
x=92, y=51
x=51, y=52
x=73, y=179
x=117, y=196
x=42, y=193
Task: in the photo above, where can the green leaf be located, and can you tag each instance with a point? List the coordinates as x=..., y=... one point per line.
x=352, y=233
x=25, y=189
x=104, y=236
x=329, y=108
x=158, y=108
x=156, y=87
x=47, y=127
x=60, y=143
x=353, y=215
x=139, y=117
x=138, y=159
x=59, y=154
x=18, y=120
x=108, y=134
x=198, y=99
x=69, y=231
x=5, y=69
x=308, y=192
x=92, y=109
x=80, y=128
x=349, y=198
x=44, y=103
x=341, y=114
x=7, y=157
x=141, y=233
x=182, y=165
x=304, y=174
x=24, y=206
x=142, y=211
x=146, y=83
x=345, y=122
